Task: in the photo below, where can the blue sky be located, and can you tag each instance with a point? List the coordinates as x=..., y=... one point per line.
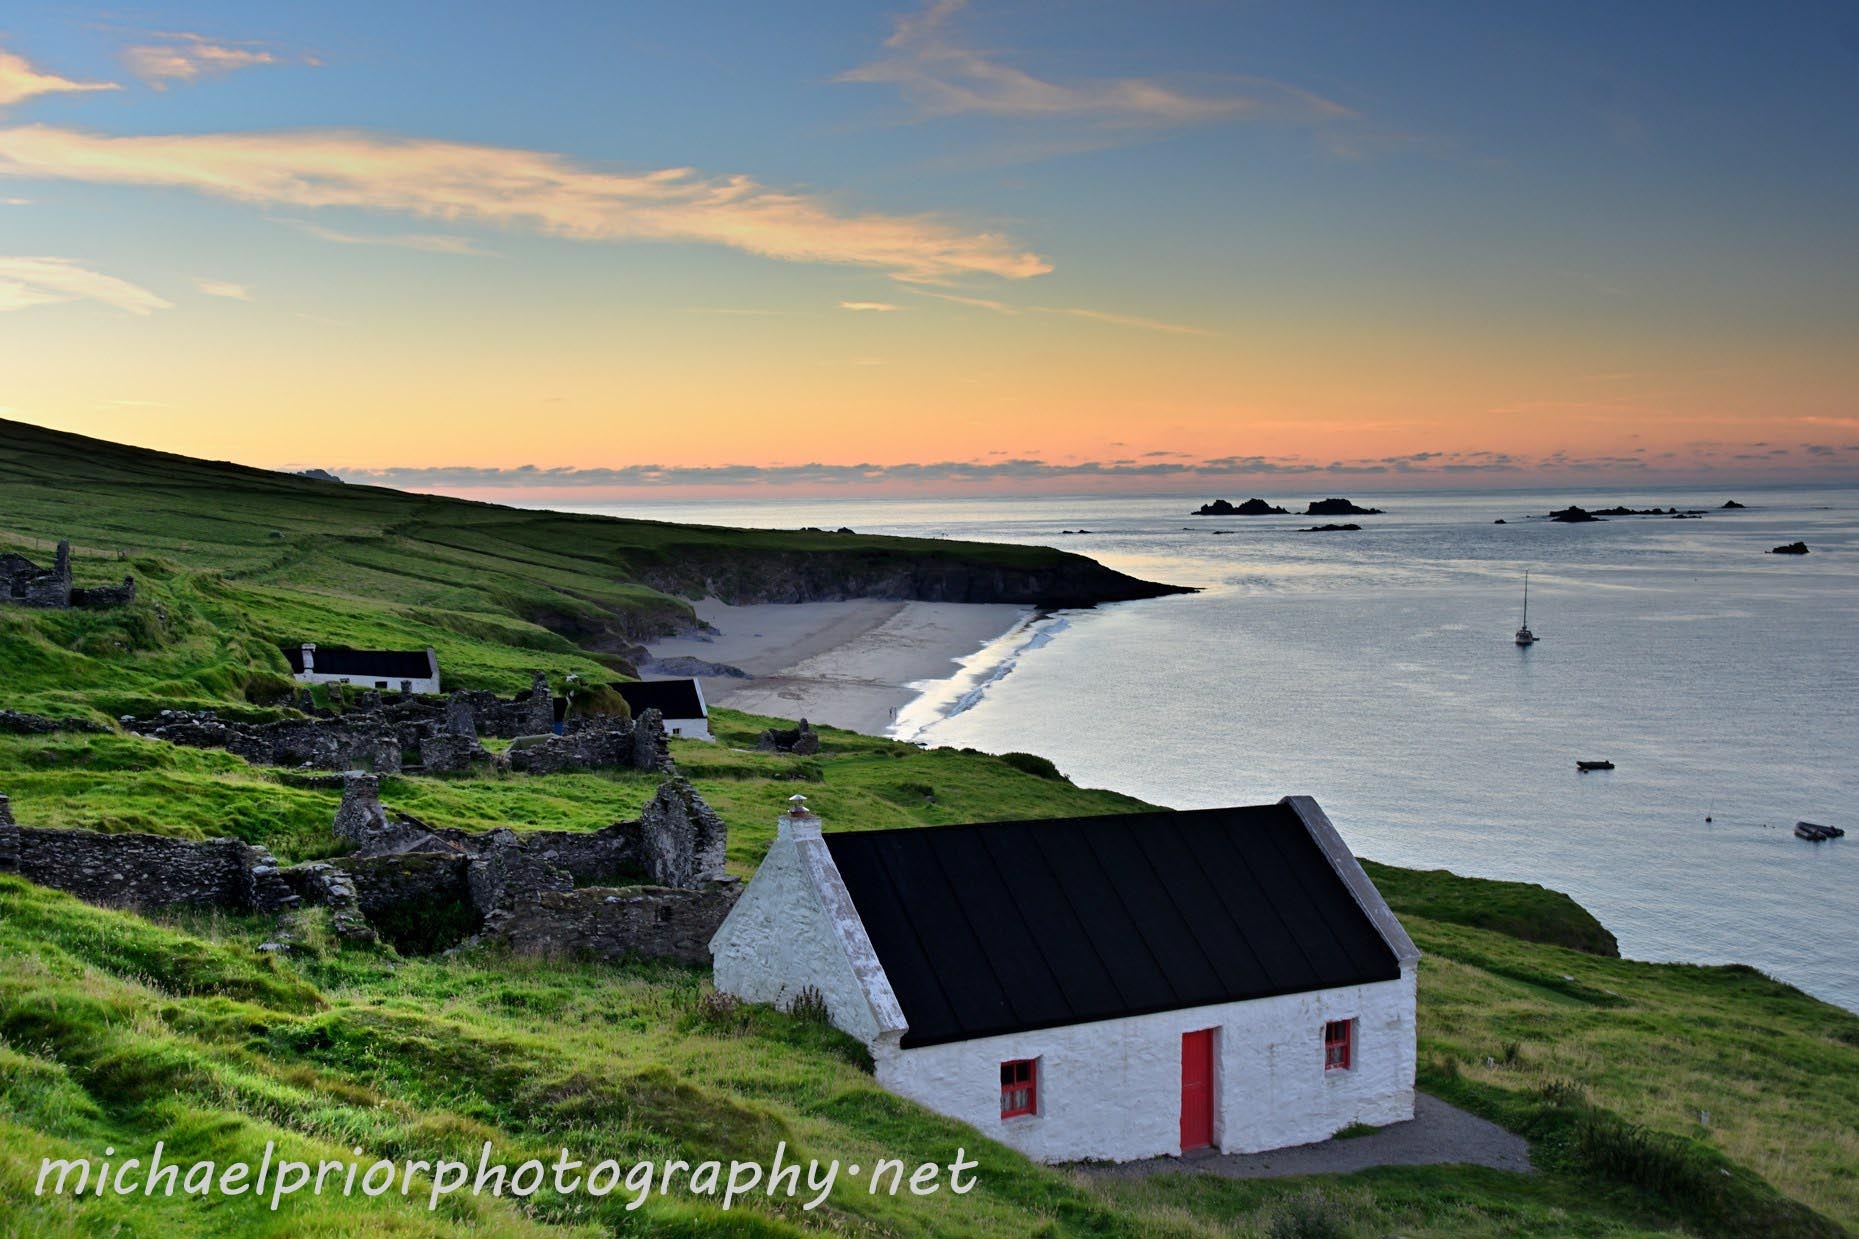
x=1298, y=234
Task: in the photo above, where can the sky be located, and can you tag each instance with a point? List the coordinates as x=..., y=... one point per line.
x=580, y=251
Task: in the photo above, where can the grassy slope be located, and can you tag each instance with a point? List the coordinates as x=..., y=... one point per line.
x=116, y=1030
x=285, y=559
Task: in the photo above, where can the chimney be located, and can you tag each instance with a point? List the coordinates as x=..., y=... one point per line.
x=61, y=567
x=799, y=822
x=309, y=656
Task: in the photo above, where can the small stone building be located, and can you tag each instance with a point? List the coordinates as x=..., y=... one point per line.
x=680, y=702
x=1112, y=988
x=24, y=583
x=398, y=671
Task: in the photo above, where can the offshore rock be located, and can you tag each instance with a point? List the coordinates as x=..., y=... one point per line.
x=1252, y=507
x=1338, y=507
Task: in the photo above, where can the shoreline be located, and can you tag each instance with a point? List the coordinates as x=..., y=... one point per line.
x=855, y=664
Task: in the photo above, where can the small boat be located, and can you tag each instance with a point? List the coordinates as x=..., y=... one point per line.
x=1585, y=766
x=1814, y=832
x=1524, y=635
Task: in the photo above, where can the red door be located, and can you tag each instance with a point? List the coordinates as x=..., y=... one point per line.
x=1197, y=1089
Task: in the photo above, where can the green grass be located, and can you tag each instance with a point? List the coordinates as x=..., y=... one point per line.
x=230, y=560
x=1658, y=1098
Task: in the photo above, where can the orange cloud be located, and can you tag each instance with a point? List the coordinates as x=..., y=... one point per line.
x=457, y=181
x=26, y=282
x=20, y=81
x=184, y=57
x=1095, y=316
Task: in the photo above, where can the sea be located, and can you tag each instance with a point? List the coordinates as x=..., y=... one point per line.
x=1376, y=670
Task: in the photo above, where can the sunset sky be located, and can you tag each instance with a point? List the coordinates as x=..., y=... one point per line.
x=867, y=248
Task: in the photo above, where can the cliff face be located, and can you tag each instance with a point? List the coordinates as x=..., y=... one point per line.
x=1055, y=579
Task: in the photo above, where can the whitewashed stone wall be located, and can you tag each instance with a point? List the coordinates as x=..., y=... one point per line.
x=689, y=728
x=1111, y=1091
x=795, y=927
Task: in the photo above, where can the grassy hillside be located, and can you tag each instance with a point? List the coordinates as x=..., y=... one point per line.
x=285, y=558
x=1658, y=1098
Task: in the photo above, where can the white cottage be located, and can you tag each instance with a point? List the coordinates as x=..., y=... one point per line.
x=1113, y=988
x=393, y=671
x=681, y=702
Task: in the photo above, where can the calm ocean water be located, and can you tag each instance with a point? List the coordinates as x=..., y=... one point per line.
x=1376, y=671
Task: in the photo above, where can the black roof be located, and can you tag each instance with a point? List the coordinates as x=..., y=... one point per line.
x=671, y=698
x=1007, y=926
x=380, y=664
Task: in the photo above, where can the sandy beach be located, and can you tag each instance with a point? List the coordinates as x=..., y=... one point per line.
x=845, y=664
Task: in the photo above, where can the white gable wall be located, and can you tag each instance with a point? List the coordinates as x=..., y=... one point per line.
x=1112, y=1090
x=689, y=728
x=795, y=927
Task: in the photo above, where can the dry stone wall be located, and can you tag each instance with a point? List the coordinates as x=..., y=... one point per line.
x=145, y=871
x=647, y=921
x=654, y=886
x=434, y=735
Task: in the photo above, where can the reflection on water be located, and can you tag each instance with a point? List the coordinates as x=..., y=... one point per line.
x=1375, y=670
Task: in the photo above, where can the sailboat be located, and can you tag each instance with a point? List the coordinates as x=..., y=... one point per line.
x=1524, y=635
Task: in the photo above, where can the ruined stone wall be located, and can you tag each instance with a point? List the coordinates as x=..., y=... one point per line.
x=442, y=733
x=321, y=744
x=619, y=923
x=555, y=892
x=383, y=883
x=681, y=839
x=588, y=857
x=14, y=723
x=147, y=871
x=596, y=744
x=105, y=595
x=26, y=584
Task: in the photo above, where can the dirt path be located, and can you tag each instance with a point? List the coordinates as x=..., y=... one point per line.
x=1439, y=1134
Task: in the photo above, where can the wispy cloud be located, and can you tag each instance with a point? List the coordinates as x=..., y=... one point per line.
x=1097, y=316
x=224, y=288
x=974, y=303
x=870, y=307
x=181, y=56
x=516, y=188
x=20, y=81
x=942, y=76
x=1125, y=320
x=430, y=242
x=27, y=282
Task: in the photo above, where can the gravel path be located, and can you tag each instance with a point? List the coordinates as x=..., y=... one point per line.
x=1439, y=1134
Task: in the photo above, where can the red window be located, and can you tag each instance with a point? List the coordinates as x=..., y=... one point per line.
x=1338, y=1039
x=1019, y=1087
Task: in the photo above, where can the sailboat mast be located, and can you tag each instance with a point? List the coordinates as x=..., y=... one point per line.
x=1526, y=597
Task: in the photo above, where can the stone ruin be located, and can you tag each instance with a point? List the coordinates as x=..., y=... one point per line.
x=653, y=886
x=144, y=870
x=426, y=734
x=801, y=739
x=26, y=584
x=17, y=723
